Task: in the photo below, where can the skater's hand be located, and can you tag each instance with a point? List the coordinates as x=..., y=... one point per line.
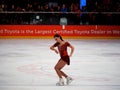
x=52, y=48
x=70, y=55
x=56, y=51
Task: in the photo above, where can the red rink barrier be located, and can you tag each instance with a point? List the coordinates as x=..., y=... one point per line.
x=70, y=31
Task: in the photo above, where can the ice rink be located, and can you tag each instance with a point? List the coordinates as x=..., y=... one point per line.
x=28, y=64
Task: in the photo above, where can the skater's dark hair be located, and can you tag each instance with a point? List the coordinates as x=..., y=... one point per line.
x=57, y=35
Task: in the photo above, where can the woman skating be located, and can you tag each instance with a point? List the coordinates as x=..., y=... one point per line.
x=64, y=60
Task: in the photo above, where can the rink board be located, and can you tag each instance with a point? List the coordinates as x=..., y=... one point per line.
x=69, y=31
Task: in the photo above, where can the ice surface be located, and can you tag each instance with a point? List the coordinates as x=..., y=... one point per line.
x=29, y=65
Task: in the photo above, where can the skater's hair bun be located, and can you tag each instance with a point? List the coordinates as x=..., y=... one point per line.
x=57, y=35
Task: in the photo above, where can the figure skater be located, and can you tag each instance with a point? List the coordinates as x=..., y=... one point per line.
x=64, y=60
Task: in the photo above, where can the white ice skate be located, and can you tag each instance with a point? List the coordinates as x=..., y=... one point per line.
x=60, y=83
x=68, y=80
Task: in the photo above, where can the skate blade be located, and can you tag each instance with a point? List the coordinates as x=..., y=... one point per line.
x=58, y=84
x=68, y=83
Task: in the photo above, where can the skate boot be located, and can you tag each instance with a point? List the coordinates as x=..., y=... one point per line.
x=60, y=83
x=68, y=80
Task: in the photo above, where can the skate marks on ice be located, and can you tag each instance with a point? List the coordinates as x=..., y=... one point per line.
x=38, y=69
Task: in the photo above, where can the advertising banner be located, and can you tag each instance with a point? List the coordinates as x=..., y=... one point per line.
x=70, y=31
